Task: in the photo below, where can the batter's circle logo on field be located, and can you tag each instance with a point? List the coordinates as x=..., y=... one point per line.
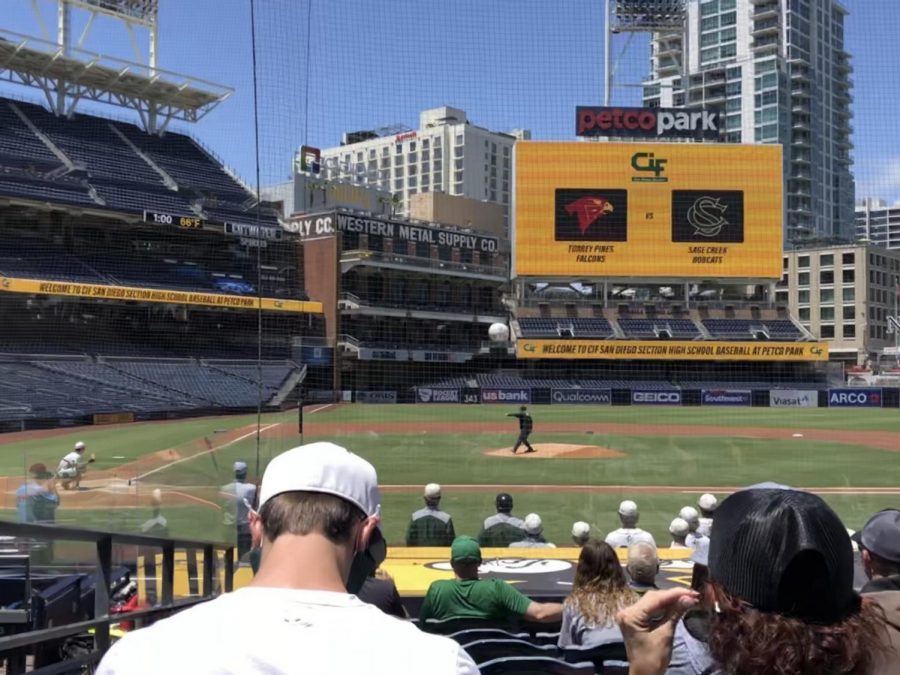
x=511, y=566
x=707, y=216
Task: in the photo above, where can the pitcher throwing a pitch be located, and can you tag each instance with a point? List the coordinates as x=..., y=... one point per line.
x=72, y=467
x=525, y=426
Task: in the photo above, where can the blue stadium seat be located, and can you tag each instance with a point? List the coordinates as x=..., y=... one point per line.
x=464, y=637
x=488, y=650
x=534, y=665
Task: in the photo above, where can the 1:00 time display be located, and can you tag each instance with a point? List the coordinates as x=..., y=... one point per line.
x=186, y=222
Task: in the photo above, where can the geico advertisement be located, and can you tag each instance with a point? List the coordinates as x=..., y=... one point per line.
x=682, y=350
x=648, y=210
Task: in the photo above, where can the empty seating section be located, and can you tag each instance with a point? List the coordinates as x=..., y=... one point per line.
x=24, y=259
x=748, y=329
x=78, y=387
x=109, y=172
x=535, y=327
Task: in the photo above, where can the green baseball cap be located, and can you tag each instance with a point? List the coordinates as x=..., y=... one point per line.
x=465, y=549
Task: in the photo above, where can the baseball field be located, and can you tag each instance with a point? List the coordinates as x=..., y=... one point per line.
x=589, y=458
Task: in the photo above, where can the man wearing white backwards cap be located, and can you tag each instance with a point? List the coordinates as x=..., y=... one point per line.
x=629, y=533
x=319, y=527
x=692, y=518
x=430, y=526
x=238, y=498
x=581, y=532
x=534, y=526
x=707, y=504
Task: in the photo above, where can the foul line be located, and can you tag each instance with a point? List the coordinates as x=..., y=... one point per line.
x=219, y=447
x=615, y=489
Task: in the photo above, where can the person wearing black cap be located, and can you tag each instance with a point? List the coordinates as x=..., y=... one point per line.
x=879, y=543
x=526, y=424
x=502, y=528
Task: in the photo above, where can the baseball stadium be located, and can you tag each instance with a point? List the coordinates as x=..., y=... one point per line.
x=589, y=327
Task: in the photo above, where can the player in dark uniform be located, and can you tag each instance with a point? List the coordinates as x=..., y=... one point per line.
x=525, y=426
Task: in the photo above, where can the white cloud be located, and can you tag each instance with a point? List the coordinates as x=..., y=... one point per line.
x=878, y=179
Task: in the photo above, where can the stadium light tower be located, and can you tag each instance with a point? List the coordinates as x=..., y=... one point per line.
x=636, y=16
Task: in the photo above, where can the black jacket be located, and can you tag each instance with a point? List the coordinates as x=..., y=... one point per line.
x=525, y=423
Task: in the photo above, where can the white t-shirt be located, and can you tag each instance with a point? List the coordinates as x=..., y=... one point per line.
x=278, y=630
x=626, y=536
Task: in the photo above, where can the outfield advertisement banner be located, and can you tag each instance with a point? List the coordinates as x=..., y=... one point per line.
x=128, y=293
x=592, y=396
x=642, y=210
x=854, y=398
x=671, y=350
x=432, y=395
x=376, y=396
x=726, y=397
x=511, y=395
x=793, y=398
x=654, y=397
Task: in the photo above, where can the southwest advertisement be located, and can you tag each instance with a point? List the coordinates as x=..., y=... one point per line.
x=681, y=350
x=661, y=210
x=104, y=292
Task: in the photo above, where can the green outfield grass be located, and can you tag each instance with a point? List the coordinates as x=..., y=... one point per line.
x=413, y=455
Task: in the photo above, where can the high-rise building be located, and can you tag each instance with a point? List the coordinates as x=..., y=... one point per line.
x=778, y=72
x=878, y=223
x=446, y=154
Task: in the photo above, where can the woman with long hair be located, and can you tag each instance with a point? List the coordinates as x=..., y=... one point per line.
x=599, y=591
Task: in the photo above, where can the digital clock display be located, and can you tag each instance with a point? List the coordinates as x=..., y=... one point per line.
x=185, y=222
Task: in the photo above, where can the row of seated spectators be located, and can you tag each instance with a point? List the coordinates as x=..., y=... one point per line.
x=652, y=329
x=111, y=173
x=78, y=387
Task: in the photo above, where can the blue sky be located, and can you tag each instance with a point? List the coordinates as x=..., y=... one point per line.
x=509, y=64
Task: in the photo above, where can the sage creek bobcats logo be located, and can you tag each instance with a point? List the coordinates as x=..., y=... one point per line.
x=591, y=214
x=708, y=216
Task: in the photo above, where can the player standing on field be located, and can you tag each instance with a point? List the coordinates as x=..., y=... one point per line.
x=525, y=426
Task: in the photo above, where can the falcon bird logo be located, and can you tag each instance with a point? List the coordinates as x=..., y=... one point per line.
x=589, y=210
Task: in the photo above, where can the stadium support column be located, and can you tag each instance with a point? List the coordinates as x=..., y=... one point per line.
x=607, y=52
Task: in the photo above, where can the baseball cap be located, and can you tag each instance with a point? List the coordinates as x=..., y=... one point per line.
x=689, y=514
x=80, y=445
x=240, y=467
x=432, y=491
x=465, y=549
x=881, y=535
x=785, y=552
x=330, y=469
x=707, y=502
x=580, y=529
x=533, y=524
x=679, y=527
x=628, y=508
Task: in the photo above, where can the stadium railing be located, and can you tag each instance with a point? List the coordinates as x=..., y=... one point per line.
x=13, y=647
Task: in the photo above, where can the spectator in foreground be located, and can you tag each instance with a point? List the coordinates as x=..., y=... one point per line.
x=534, y=528
x=690, y=515
x=690, y=655
x=502, y=528
x=430, y=526
x=879, y=545
x=468, y=597
x=642, y=566
x=380, y=590
x=37, y=498
x=780, y=597
x=629, y=533
x=319, y=529
x=679, y=529
x=581, y=533
x=707, y=505
x=599, y=591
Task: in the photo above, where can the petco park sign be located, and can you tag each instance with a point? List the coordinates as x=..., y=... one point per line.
x=646, y=122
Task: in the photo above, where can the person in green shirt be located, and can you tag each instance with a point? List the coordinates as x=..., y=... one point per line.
x=468, y=597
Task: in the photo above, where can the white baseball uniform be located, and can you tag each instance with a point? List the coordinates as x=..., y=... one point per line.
x=624, y=537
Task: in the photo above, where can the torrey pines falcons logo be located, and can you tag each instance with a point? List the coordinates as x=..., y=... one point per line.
x=707, y=216
x=588, y=210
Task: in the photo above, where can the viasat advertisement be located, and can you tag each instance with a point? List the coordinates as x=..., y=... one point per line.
x=637, y=210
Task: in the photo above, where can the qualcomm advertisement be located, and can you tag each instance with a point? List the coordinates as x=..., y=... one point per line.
x=726, y=397
x=854, y=398
x=793, y=398
x=506, y=395
x=594, y=396
x=644, y=397
x=429, y=395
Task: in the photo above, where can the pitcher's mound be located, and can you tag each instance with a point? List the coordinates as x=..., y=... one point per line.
x=558, y=451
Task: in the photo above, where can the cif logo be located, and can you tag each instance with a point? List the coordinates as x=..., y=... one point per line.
x=646, y=162
x=707, y=216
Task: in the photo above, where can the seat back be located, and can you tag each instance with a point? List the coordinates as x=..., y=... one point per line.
x=487, y=650
x=597, y=654
x=474, y=634
x=534, y=665
x=450, y=626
